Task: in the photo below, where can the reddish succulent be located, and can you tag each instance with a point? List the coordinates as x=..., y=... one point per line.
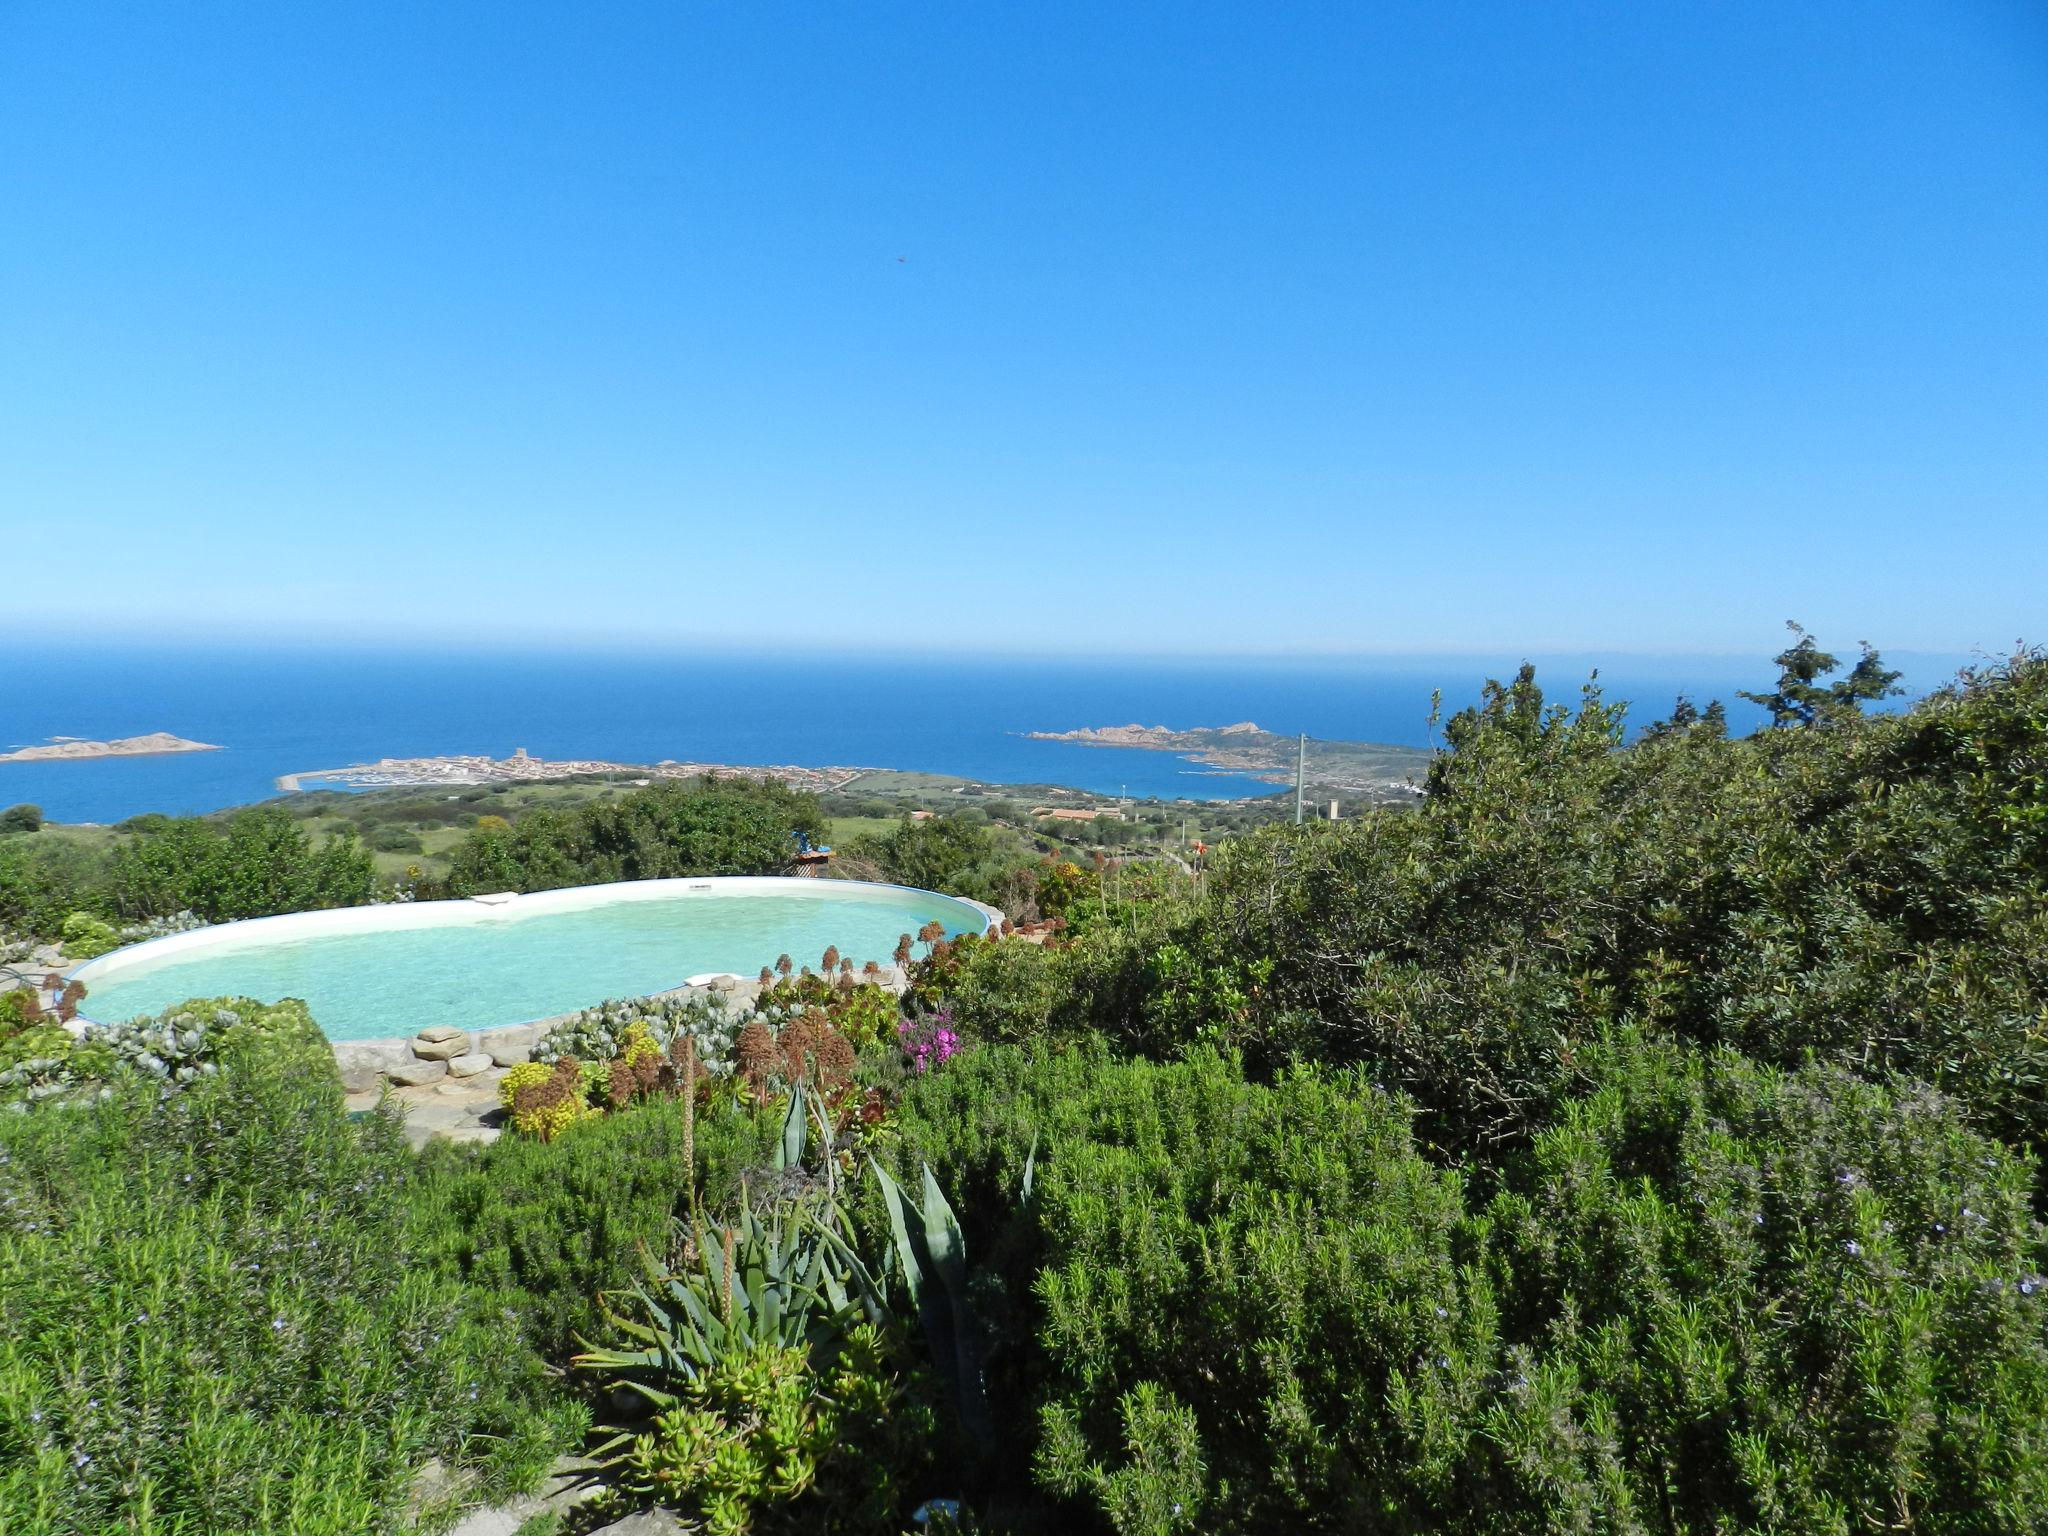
x=754, y=1054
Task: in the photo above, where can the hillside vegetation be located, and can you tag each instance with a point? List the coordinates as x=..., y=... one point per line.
x=1631, y=1137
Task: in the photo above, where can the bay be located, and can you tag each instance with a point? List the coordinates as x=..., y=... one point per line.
x=279, y=711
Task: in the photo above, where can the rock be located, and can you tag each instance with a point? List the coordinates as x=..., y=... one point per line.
x=411, y=1074
x=509, y=1046
x=442, y=1042
x=362, y=1062
x=568, y=1485
x=644, y=1522
x=469, y=1065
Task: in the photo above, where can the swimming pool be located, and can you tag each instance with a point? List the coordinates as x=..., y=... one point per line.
x=372, y=973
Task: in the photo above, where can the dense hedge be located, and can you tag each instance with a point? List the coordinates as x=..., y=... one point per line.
x=1710, y=1297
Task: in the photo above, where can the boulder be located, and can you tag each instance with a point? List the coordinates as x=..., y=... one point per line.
x=362, y=1062
x=509, y=1046
x=440, y=1042
x=411, y=1074
x=469, y=1065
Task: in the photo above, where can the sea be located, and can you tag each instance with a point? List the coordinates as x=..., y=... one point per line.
x=276, y=711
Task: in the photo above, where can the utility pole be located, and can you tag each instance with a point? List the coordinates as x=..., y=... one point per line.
x=1300, y=772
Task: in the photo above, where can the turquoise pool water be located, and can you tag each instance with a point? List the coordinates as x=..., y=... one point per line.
x=370, y=973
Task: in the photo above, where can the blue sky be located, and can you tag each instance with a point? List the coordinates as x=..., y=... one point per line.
x=1061, y=327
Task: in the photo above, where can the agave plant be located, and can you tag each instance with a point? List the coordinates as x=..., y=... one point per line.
x=789, y=1280
x=931, y=1253
x=769, y=1370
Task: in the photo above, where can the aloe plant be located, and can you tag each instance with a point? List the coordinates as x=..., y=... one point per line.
x=931, y=1252
x=789, y=1151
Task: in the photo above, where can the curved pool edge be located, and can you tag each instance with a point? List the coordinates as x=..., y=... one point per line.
x=384, y=916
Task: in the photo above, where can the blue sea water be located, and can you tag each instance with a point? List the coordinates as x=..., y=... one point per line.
x=284, y=711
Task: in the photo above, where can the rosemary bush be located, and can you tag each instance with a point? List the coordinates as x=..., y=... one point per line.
x=215, y=1316
x=549, y=1225
x=1709, y=1296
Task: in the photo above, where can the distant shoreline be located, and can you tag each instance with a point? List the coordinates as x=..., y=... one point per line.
x=519, y=768
x=71, y=749
x=1250, y=751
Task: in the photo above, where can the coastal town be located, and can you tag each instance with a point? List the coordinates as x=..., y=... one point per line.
x=524, y=768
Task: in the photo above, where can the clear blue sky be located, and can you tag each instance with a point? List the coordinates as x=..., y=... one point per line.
x=1253, y=327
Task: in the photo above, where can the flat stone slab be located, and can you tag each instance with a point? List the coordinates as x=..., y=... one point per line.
x=441, y=1043
x=563, y=1490
x=362, y=1062
x=469, y=1065
x=411, y=1074
x=508, y=1046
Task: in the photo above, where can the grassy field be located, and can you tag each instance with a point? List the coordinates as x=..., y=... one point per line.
x=846, y=828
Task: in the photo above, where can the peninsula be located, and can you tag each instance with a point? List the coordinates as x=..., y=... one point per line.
x=520, y=768
x=61, y=748
x=1254, y=752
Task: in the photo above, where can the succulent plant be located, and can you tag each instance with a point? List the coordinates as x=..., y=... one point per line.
x=599, y=1034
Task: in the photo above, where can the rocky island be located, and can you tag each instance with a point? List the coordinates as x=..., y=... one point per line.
x=59, y=748
x=1373, y=768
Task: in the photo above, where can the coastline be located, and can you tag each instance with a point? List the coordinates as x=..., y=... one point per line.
x=1251, y=751
x=471, y=769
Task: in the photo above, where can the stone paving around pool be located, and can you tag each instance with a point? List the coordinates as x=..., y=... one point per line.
x=446, y=1079
x=459, y=1109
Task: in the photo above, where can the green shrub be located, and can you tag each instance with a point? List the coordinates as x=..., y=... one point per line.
x=86, y=936
x=550, y=1225
x=43, y=880
x=1711, y=1297
x=1869, y=889
x=391, y=838
x=956, y=853
x=768, y=1371
x=253, y=864
x=214, y=1316
x=707, y=827
x=1792, y=1301
x=21, y=818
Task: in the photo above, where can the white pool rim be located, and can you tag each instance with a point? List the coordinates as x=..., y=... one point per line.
x=497, y=907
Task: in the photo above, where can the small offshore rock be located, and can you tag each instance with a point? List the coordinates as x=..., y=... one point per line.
x=411, y=1074
x=442, y=1042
